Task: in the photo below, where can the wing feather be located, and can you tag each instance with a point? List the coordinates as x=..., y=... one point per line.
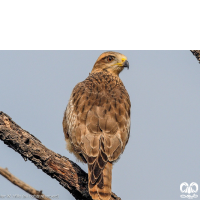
x=97, y=122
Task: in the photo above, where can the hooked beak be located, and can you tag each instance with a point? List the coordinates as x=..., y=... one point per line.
x=126, y=64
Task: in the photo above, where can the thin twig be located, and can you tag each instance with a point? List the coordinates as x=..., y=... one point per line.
x=13, y=179
x=196, y=53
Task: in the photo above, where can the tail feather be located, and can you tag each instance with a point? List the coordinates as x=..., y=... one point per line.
x=94, y=193
x=92, y=187
x=105, y=192
x=101, y=189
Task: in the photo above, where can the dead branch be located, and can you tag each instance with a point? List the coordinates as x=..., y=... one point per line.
x=196, y=53
x=13, y=179
x=66, y=172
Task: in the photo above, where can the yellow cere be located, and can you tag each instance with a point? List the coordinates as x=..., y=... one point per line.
x=124, y=59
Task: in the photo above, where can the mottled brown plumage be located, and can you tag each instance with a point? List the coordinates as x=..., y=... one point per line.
x=96, y=122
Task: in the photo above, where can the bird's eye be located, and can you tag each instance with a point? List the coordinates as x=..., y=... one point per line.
x=110, y=58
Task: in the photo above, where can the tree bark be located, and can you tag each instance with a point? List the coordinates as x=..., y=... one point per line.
x=196, y=53
x=66, y=172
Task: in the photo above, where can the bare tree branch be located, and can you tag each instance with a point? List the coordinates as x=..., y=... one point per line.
x=13, y=179
x=66, y=172
x=196, y=53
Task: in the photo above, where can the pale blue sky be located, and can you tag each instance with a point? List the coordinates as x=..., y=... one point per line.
x=163, y=150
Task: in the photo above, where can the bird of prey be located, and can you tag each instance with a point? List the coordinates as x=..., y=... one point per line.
x=96, y=121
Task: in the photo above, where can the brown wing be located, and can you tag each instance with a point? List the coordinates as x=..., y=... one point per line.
x=97, y=123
